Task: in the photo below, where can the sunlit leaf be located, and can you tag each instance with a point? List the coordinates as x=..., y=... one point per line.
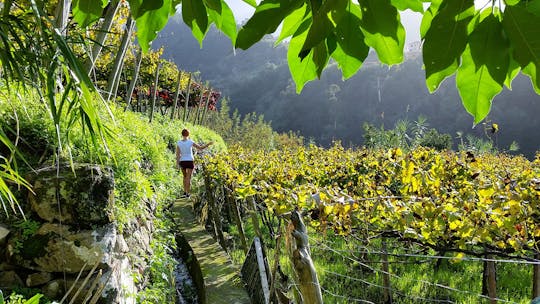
x=304, y=70
x=321, y=25
x=253, y=3
x=446, y=40
x=86, y=12
x=484, y=67
x=195, y=16
x=428, y=16
x=414, y=5
x=268, y=15
x=291, y=23
x=383, y=30
x=224, y=20
x=523, y=31
x=150, y=19
x=351, y=50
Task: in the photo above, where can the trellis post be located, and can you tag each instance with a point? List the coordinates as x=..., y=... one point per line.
x=186, y=104
x=154, y=93
x=178, y=88
x=134, y=79
x=536, y=278
x=300, y=255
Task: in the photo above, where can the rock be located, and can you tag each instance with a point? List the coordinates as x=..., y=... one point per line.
x=4, y=232
x=84, y=196
x=121, y=245
x=54, y=248
x=54, y=289
x=38, y=278
x=10, y=279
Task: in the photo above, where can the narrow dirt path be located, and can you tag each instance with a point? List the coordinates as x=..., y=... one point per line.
x=223, y=285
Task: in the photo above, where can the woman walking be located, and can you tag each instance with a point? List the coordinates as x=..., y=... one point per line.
x=184, y=158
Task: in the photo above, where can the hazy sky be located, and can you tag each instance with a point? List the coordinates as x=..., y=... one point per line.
x=410, y=20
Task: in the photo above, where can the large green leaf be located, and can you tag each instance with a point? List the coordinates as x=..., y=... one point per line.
x=253, y=3
x=214, y=5
x=445, y=40
x=320, y=57
x=523, y=30
x=196, y=17
x=150, y=16
x=224, y=20
x=321, y=26
x=413, y=5
x=292, y=22
x=383, y=30
x=268, y=15
x=484, y=67
x=513, y=70
x=428, y=16
x=304, y=70
x=351, y=50
x=86, y=12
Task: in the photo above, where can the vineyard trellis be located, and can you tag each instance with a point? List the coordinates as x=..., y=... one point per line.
x=460, y=208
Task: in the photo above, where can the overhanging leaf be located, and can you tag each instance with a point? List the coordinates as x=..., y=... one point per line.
x=445, y=40
x=291, y=23
x=383, y=30
x=428, y=16
x=413, y=5
x=86, y=12
x=321, y=26
x=484, y=67
x=268, y=15
x=224, y=21
x=351, y=50
x=195, y=16
x=150, y=19
x=523, y=31
x=304, y=70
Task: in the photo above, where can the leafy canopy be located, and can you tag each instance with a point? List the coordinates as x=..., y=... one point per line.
x=483, y=46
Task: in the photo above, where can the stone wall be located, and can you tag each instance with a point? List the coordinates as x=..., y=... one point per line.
x=70, y=234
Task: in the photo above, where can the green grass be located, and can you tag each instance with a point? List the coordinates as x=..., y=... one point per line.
x=412, y=280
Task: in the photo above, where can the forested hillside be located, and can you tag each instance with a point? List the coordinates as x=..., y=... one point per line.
x=258, y=80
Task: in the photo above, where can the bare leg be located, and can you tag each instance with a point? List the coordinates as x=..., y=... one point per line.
x=187, y=179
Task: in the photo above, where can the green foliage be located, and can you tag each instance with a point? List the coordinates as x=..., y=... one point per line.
x=251, y=131
x=406, y=135
x=21, y=299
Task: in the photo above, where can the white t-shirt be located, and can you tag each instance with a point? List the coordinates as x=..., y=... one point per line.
x=186, y=149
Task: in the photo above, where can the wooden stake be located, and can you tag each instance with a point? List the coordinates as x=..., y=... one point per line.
x=238, y=221
x=536, y=278
x=178, y=86
x=134, y=79
x=386, y=275
x=186, y=104
x=490, y=280
x=300, y=256
x=154, y=95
